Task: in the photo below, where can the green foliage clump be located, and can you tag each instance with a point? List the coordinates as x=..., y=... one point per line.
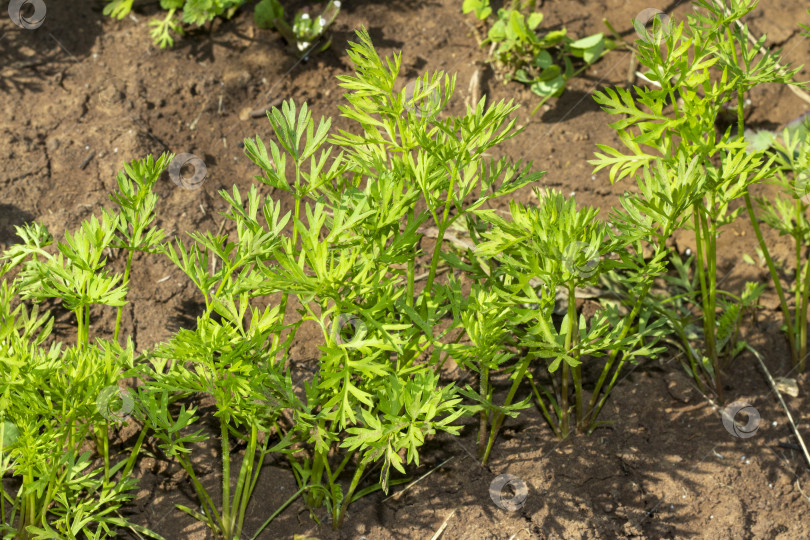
x=544, y=62
x=306, y=32
x=696, y=69
x=196, y=12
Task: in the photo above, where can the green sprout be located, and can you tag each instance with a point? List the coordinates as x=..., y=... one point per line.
x=543, y=62
x=305, y=32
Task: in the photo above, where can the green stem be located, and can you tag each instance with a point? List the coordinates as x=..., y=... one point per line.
x=296, y=216
x=105, y=449
x=484, y=415
x=121, y=308
x=79, y=312
x=499, y=419
x=336, y=472
x=133, y=456
x=226, y=478
x=244, y=484
x=803, y=321
x=205, y=499
x=709, y=299
x=442, y=227
x=347, y=499
x=774, y=276
x=554, y=425
x=576, y=372
x=277, y=512
x=564, y=412
x=411, y=279
x=614, y=353
x=87, y=324
x=315, y=498
x=704, y=293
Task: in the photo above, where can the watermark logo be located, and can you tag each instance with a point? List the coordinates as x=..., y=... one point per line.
x=421, y=104
x=28, y=14
x=349, y=330
x=188, y=171
x=660, y=25
x=738, y=430
x=519, y=489
x=580, y=260
x=115, y=403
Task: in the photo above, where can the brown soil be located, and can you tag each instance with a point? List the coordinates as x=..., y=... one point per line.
x=665, y=467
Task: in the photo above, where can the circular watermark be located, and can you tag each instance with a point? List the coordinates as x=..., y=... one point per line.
x=519, y=488
x=10, y=433
x=426, y=106
x=188, y=171
x=660, y=22
x=580, y=260
x=348, y=330
x=28, y=14
x=742, y=431
x=115, y=403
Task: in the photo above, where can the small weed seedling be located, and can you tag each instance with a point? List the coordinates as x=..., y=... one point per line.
x=196, y=12
x=304, y=31
x=544, y=62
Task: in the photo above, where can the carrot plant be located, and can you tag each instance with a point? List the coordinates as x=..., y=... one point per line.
x=556, y=246
x=225, y=355
x=696, y=69
x=63, y=491
x=351, y=264
x=787, y=213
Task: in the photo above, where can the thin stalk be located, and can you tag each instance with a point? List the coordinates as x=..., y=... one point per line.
x=442, y=227
x=699, y=249
x=277, y=512
x=133, y=456
x=628, y=324
x=799, y=282
x=434, y=264
x=411, y=279
x=226, y=475
x=87, y=324
x=121, y=308
x=602, y=401
x=564, y=428
x=315, y=498
x=774, y=276
x=336, y=472
x=347, y=499
x=576, y=372
x=244, y=484
x=205, y=499
x=612, y=358
x=105, y=449
x=297, y=213
x=496, y=424
x=709, y=302
x=554, y=427
x=484, y=416
x=803, y=322
x=79, y=312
